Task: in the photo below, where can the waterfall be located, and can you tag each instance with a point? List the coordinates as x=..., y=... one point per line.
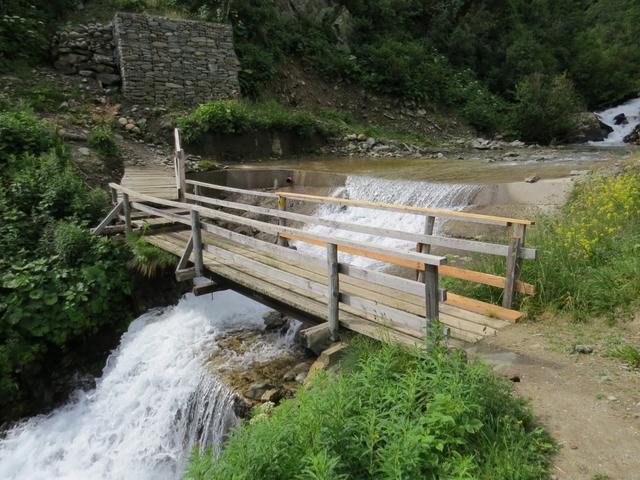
x=154, y=402
x=631, y=111
x=420, y=194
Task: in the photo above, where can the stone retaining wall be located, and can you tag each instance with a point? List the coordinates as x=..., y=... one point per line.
x=163, y=59
x=87, y=50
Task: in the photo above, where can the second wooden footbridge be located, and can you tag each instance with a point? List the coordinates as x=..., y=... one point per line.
x=219, y=232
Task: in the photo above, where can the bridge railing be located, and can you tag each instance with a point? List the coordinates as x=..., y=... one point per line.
x=198, y=217
x=514, y=252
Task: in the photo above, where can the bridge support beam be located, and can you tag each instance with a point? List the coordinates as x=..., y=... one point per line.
x=334, y=289
x=513, y=264
x=282, y=206
x=126, y=208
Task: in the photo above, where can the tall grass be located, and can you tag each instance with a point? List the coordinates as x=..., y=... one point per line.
x=396, y=414
x=588, y=253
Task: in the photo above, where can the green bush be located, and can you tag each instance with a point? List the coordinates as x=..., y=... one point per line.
x=397, y=414
x=546, y=108
x=22, y=132
x=72, y=242
x=234, y=116
x=148, y=259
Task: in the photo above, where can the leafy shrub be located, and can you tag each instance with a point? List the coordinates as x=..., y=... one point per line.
x=546, y=108
x=233, y=116
x=72, y=242
x=148, y=259
x=22, y=132
x=398, y=414
x=22, y=37
x=102, y=140
x=627, y=353
x=587, y=254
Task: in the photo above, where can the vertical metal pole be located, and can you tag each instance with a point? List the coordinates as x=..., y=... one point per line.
x=334, y=289
x=282, y=206
x=432, y=294
x=513, y=264
x=126, y=207
x=197, y=242
x=429, y=223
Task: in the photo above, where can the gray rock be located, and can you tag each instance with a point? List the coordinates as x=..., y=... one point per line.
x=257, y=390
x=584, y=349
x=589, y=129
x=532, y=179
x=108, y=79
x=273, y=320
x=84, y=151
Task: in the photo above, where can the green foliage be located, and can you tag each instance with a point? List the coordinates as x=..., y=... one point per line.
x=57, y=283
x=397, y=414
x=233, y=116
x=101, y=139
x=587, y=261
x=546, y=108
x=629, y=354
x=148, y=259
x=21, y=131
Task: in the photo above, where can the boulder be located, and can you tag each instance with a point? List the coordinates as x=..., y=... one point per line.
x=633, y=137
x=257, y=390
x=273, y=320
x=620, y=119
x=589, y=129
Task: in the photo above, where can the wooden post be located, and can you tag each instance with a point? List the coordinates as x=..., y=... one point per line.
x=179, y=161
x=334, y=289
x=432, y=293
x=114, y=196
x=513, y=264
x=126, y=207
x=429, y=223
x=198, y=192
x=282, y=206
x=197, y=242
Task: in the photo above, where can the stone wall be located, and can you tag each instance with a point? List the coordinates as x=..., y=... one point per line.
x=165, y=60
x=87, y=50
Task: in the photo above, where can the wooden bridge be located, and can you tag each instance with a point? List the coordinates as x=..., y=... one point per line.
x=214, y=230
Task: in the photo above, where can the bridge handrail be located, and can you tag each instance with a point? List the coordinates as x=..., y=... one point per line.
x=419, y=258
x=515, y=250
x=426, y=211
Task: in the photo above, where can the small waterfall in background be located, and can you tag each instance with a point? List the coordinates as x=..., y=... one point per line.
x=631, y=111
x=419, y=194
x=154, y=403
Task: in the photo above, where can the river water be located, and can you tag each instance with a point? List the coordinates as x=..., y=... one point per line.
x=152, y=405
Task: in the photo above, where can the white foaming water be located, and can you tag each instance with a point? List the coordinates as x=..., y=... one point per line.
x=153, y=404
x=401, y=192
x=631, y=110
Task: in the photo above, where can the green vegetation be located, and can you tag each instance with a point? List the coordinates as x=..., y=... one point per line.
x=396, y=414
x=234, y=116
x=587, y=254
x=148, y=259
x=58, y=283
x=629, y=354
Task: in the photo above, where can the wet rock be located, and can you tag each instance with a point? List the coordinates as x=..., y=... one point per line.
x=532, y=179
x=272, y=395
x=633, y=137
x=295, y=372
x=584, y=349
x=273, y=320
x=589, y=129
x=257, y=390
x=620, y=119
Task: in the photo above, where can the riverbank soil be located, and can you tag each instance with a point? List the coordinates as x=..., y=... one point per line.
x=589, y=403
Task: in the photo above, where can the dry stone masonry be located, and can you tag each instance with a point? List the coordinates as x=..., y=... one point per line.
x=156, y=59
x=87, y=50
x=184, y=61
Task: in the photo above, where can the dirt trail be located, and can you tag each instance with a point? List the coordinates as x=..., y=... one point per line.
x=590, y=404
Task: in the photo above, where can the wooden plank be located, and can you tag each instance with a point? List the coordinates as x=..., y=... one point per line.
x=255, y=193
x=274, y=229
x=334, y=289
x=431, y=292
x=473, y=322
x=184, y=219
x=186, y=255
x=111, y=216
x=185, y=274
x=427, y=239
x=408, y=324
x=196, y=236
x=483, y=307
x=485, y=278
x=205, y=288
x=436, y=212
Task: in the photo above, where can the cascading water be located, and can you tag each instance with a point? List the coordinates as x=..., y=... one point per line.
x=153, y=404
x=419, y=194
x=631, y=112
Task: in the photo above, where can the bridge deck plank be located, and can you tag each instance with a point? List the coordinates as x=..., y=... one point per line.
x=464, y=325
